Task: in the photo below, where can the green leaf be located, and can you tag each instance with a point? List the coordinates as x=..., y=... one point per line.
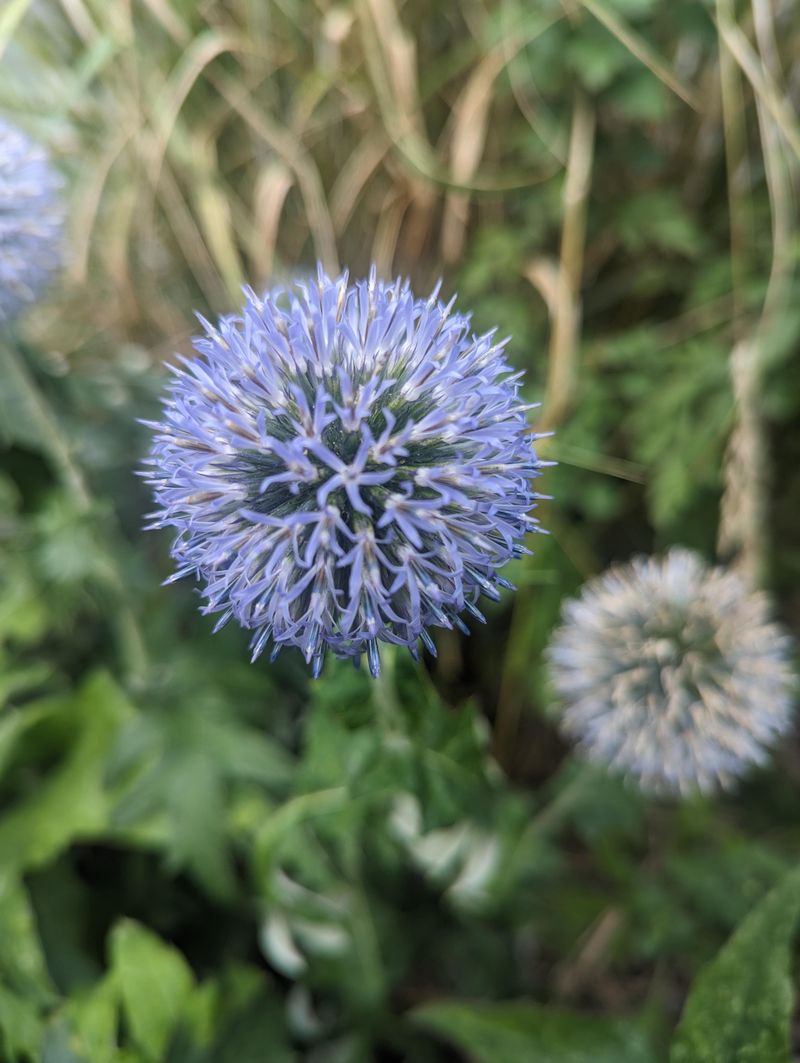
x=93, y=1018
x=254, y=1034
x=238, y=1017
x=71, y=801
x=23, y=613
x=155, y=983
x=632, y=8
x=196, y=807
x=641, y=97
x=595, y=56
x=65, y=913
x=20, y=1027
x=659, y=219
x=186, y=766
x=740, y=1005
x=22, y=962
x=519, y=1032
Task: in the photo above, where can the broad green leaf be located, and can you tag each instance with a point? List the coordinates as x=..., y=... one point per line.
x=22, y=962
x=16, y=723
x=23, y=612
x=154, y=981
x=740, y=1005
x=200, y=1012
x=65, y=912
x=521, y=1033
x=93, y=1018
x=71, y=801
x=20, y=1027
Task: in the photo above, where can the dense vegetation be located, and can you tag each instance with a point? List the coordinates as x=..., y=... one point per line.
x=204, y=860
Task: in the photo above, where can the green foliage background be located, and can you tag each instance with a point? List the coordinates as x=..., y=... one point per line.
x=205, y=861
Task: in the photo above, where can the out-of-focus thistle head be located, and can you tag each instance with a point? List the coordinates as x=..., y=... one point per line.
x=345, y=465
x=31, y=221
x=673, y=673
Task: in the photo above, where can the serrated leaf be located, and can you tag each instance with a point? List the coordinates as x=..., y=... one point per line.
x=519, y=1032
x=740, y=1005
x=154, y=982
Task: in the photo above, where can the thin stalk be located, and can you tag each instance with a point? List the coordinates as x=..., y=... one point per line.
x=385, y=689
x=640, y=48
x=562, y=356
x=744, y=525
x=735, y=159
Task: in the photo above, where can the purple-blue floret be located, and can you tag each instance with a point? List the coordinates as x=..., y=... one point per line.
x=345, y=465
x=31, y=221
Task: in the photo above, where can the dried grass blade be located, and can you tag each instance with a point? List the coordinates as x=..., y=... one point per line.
x=10, y=18
x=470, y=126
x=272, y=187
x=642, y=50
x=761, y=81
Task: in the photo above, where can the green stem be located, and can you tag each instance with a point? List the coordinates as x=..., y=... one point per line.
x=385, y=690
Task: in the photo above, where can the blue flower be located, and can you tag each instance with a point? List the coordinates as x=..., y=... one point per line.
x=345, y=464
x=673, y=673
x=31, y=221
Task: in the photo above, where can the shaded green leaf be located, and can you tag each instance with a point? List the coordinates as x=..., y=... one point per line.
x=22, y=962
x=519, y=1033
x=71, y=801
x=196, y=807
x=92, y=1017
x=740, y=1005
x=154, y=982
x=254, y=1034
x=21, y=1027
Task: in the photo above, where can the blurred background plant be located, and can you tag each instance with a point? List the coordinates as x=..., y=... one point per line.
x=203, y=860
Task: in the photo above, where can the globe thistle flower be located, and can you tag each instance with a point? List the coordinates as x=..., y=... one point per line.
x=672, y=673
x=345, y=465
x=31, y=221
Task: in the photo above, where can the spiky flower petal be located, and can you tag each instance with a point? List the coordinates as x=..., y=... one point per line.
x=672, y=673
x=31, y=221
x=345, y=465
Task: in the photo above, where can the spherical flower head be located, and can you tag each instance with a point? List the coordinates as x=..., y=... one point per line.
x=345, y=465
x=672, y=673
x=31, y=221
